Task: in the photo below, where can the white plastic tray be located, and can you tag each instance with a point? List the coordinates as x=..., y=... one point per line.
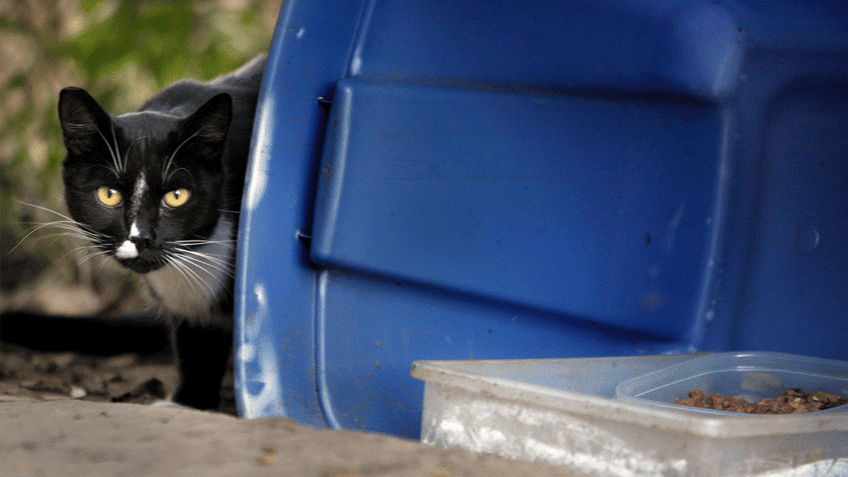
x=564, y=412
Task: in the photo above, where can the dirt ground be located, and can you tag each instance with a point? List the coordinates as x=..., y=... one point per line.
x=58, y=418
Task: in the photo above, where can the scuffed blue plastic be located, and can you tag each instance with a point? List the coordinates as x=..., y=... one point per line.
x=435, y=180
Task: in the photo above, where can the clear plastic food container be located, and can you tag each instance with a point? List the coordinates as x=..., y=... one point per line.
x=750, y=375
x=565, y=412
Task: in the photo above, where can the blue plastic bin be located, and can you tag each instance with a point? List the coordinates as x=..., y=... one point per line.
x=460, y=179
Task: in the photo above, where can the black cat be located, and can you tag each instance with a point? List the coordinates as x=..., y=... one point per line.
x=160, y=190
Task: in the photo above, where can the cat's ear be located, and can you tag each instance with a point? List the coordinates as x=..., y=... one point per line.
x=211, y=121
x=84, y=122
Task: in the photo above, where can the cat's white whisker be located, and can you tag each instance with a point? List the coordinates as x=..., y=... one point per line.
x=72, y=227
x=45, y=209
x=95, y=243
x=102, y=264
x=100, y=249
x=199, y=256
x=189, y=269
x=62, y=234
x=204, y=267
x=189, y=243
x=214, y=262
x=198, y=272
x=128, y=150
x=122, y=166
x=178, y=266
x=204, y=261
x=116, y=162
x=165, y=175
x=91, y=254
x=178, y=170
x=186, y=243
x=66, y=224
x=194, y=264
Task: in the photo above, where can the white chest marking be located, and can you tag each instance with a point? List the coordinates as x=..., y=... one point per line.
x=192, y=282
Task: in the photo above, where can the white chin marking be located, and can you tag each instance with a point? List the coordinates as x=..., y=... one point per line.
x=126, y=250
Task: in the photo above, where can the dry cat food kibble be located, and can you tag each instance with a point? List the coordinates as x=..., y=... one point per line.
x=792, y=401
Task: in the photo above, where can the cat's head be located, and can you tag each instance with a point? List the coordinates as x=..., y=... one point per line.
x=144, y=185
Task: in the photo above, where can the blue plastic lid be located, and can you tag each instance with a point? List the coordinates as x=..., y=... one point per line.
x=751, y=375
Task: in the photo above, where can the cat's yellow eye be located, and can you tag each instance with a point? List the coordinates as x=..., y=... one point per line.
x=109, y=196
x=176, y=198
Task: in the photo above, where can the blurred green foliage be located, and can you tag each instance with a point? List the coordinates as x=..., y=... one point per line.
x=121, y=52
x=172, y=40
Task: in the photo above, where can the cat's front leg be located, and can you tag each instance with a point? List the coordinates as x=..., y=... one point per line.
x=201, y=353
